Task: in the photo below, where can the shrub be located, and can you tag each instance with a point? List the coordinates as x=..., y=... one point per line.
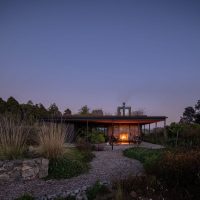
x=65, y=168
x=83, y=145
x=25, y=197
x=96, y=189
x=146, y=186
x=179, y=167
x=51, y=140
x=147, y=156
x=13, y=137
x=97, y=137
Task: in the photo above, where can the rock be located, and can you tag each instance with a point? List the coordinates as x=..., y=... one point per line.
x=4, y=177
x=51, y=197
x=1, y=163
x=28, y=172
x=133, y=194
x=76, y=191
x=84, y=188
x=8, y=165
x=23, y=169
x=79, y=197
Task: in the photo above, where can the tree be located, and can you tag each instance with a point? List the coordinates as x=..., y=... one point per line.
x=191, y=114
x=2, y=106
x=197, y=110
x=84, y=110
x=188, y=115
x=13, y=106
x=67, y=112
x=97, y=112
x=54, y=110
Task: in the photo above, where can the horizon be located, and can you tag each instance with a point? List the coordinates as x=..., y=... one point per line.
x=100, y=54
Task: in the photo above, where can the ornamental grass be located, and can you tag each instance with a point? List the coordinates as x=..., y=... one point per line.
x=51, y=140
x=13, y=137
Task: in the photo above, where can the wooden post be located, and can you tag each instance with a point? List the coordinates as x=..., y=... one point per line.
x=129, y=134
x=87, y=131
x=112, y=136
x=165, y=131
x=156, y=131
x=149, y=128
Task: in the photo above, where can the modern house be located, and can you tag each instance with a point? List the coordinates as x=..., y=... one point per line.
x=124, y=126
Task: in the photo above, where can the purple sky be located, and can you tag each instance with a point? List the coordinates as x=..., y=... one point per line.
x=102, y=53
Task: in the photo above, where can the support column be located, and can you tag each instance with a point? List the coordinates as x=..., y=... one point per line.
x=149, y=128
x=138, y=129
x=165, y=131
x=156, y=130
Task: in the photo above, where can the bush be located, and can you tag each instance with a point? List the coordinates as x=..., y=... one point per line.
x=62, y=168
x=144, y=186
x=96, y=189
x=13, y=137
x=147, y=156
x=25, y=197
x=51, y=140
x=179, y=167
x=188, y=135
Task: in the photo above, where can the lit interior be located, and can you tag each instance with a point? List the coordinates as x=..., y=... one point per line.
x=123, y=136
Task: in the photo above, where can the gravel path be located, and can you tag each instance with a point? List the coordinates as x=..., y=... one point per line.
x=106, y=166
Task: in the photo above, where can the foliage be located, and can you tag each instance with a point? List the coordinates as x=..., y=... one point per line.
x=147, y=156
x=62, y=168
x=51, y=140
x=144, y=186
x=66, y=198
x=97, y=112
x=191, y=114
x=177, y=170
x=67, y=112
x=179, y=167
x=28, y=112
x=25, y=197
x=54, y=111
x=155, y=138
x=84, y=110
x=81, y=155
x=96, y=189
x=96, y=137
x=13, y=138
x=188, y=135
x=73, y=163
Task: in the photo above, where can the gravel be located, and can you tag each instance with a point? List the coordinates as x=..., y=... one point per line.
x=105, y=167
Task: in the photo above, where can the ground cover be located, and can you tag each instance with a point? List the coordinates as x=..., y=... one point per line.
x=176, y=170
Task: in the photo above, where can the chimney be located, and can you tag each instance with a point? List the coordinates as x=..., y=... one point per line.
x=121, y=110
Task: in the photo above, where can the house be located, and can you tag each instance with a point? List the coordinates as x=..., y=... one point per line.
x=124, y=126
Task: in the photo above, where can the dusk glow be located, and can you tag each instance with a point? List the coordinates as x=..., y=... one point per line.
x=102, y=53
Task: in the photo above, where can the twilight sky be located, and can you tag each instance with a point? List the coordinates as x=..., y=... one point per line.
x=101, y=53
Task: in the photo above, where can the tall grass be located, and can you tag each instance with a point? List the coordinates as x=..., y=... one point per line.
x=13, y=137
x=51, y=140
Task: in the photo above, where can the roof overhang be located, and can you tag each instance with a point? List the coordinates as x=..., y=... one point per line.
x=110, y=119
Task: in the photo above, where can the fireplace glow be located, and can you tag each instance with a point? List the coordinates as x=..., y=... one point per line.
x=123, y=136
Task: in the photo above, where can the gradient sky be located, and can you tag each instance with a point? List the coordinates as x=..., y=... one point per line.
x=101, y=53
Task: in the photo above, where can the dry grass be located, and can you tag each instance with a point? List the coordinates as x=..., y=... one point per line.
x=13, y=137
x=51, y=140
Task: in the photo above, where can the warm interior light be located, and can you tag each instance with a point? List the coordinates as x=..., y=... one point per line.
x=123, y=136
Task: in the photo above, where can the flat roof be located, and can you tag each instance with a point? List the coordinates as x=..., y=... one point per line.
x=105, y=119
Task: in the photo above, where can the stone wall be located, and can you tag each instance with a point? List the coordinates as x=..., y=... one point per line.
x=16, y=170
